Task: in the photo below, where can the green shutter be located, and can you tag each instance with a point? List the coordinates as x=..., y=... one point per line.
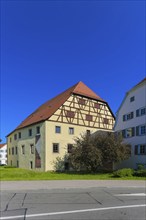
x=133, y=131
x=137, y=130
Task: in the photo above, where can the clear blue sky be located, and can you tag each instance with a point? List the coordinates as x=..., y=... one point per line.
x=48, y=46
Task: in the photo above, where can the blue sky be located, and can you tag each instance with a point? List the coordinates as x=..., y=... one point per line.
x=48, y=46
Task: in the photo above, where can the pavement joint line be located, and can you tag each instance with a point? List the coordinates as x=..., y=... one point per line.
x=72, y=212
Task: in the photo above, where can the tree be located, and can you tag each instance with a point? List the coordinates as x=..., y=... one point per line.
x=85, y=156
x=92, y=152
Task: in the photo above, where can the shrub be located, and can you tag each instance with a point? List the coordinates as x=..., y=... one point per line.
x=126, y=172
x=140, y=173
x=140, y=167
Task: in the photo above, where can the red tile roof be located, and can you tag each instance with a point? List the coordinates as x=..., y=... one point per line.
x=48, y=108
x=2, y=145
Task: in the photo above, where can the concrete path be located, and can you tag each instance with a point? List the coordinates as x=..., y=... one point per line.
x=69, y=184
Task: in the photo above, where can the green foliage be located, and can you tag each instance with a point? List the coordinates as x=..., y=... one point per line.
x=59, y=163
x=140, y=173
x=140, y=167
x=12, y=174
x=126, y=172
x=85, y=156
x=92, y=151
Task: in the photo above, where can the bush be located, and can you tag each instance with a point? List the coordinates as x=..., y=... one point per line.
x=126, y=172
x=140, y=173
x=140, y=167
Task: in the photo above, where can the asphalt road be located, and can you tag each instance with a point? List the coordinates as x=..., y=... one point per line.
x=73, y=200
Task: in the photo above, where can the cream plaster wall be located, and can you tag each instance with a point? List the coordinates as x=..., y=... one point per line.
x=62, y=138
x=26, y=140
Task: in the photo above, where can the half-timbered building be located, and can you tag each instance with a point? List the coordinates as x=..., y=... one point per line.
x=49, y=131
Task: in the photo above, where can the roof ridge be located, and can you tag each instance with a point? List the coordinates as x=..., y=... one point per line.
x=47, y=109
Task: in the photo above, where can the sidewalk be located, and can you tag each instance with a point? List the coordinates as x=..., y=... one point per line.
x=69, y=184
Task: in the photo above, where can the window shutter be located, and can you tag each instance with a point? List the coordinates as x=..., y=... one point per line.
x=124, y=117
x=137, y=130
x=124, y=133
x=132, y=115
x=133, y=131
x=136, y=150
x=137, y=112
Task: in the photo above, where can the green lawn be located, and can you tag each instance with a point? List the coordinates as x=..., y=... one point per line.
x=22, y=174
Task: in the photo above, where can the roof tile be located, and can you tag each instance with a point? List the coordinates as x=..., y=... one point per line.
x=48, y=108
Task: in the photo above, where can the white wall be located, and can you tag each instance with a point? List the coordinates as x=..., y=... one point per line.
x=139, y=92
x=3, y=155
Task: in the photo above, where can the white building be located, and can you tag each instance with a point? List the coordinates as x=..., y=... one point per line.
x=3, y=154
x=131, y=121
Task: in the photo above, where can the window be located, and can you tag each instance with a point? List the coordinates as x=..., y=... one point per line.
x=17, y=163
x=31, y=165
x=132, y=99
x=71, y=130
x=15, y=136
x=9, y=151
x=16, y=150
x=19, y=135
x=12, y=150
x=140, y=130
x=57, y=129
x=69, y=148
x=10, y=140
x=129, y=132
x=89, y=117
x=31, y=148
x=55, y=148
x=88, y=132
x=128, y=116
x=38, y=130
x=140, y=149
x=30, y=132
x=23, y=149
x=143, y=129
x=141, y=111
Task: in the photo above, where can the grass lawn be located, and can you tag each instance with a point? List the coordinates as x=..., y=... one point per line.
x=7, y=173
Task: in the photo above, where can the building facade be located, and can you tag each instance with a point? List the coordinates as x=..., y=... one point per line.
x=131, y=121
x=49, y=132
x=3, y=154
